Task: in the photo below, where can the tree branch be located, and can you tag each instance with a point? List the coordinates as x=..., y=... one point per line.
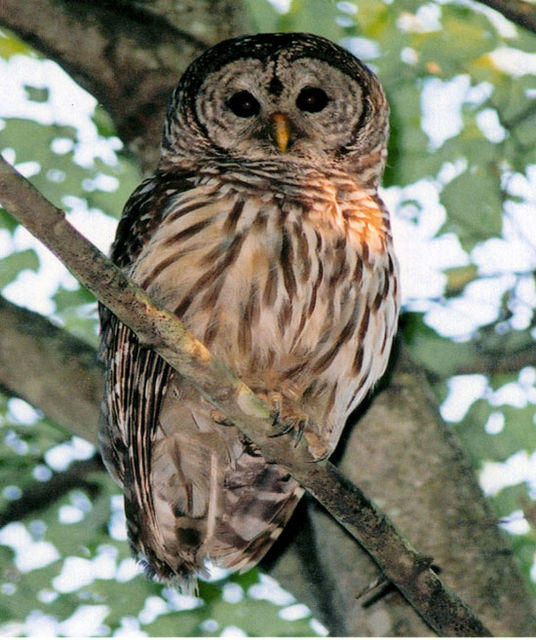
x=129, y=55
x=491, y=363
x=159, y=328
x=41, y=494
x=519, y=12
x=208, y=20
x=401, y=454
x=36, y=345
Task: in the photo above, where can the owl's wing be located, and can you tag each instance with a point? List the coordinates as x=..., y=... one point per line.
x=136, y=377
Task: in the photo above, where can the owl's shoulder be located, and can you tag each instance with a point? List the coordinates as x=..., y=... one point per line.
x=142, y=213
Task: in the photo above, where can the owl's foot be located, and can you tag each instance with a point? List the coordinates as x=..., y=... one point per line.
x=220, y=418
x=317, y=446
x=295, y=421
x=283, y=413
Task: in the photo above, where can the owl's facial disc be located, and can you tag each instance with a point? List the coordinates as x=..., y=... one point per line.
x=296, y=96
x=302, y=108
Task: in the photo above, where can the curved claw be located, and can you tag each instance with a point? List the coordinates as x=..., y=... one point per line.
x=299, y=432
x=288, y=428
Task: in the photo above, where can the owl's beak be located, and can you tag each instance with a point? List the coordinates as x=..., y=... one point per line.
x=280, y=130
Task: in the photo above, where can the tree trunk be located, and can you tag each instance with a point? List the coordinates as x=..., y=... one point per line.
x=410, y=463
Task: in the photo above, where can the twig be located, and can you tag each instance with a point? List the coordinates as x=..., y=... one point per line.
x=157, y=327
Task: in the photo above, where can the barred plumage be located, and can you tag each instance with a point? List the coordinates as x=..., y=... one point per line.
x=263, y=231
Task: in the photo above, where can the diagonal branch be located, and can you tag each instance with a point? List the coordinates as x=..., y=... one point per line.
x=29, y=345
x=127, y=54
x=154, y=325
x=399, y=452
x=520, y=12
x=41, y=494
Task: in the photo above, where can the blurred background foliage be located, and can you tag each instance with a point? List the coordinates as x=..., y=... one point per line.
x=461, y=185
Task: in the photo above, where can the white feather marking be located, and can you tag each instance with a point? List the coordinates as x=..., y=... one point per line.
x=212, y=498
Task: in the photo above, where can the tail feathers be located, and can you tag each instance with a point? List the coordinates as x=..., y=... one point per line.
x=213, y=496
x=172, y=557
x=257, y=502
x=240, y=554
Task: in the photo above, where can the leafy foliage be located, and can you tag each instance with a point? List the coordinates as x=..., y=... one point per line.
x=461, y=182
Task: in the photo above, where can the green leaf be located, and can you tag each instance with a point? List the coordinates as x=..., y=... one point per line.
x=459, y=277
x=67, y=298
x=11, y=46
x=13, y=264
x=510, y=499
x=466, y=34
x=518, y=432
x=263, y=16
x=7, y=221
x=177, y=624
x=438, y=355
x=474, y=204
x=313, y=16
x=36, y=94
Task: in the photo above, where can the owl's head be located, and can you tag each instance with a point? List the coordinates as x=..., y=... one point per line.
x=290, y=96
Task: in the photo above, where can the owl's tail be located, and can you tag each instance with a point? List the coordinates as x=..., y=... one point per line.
x=212, y=496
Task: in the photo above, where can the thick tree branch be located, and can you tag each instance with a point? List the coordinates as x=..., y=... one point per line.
x=30, y=344
x=405, y=458
x=129, y=55
x=208, y=20
x=519, y=12
x=491, y=363
x=41, y=494
x=410, y=572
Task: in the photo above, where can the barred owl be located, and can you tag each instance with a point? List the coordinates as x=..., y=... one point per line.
x=262, y=229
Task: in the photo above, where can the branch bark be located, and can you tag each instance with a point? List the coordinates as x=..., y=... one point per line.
x=444, y=612
x=519, y=12
x=491, y=363
x=129, y=55
x=41, y=494
x=49, y=364
x=422, y=480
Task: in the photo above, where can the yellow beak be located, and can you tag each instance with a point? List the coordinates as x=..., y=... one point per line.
x=281, y=131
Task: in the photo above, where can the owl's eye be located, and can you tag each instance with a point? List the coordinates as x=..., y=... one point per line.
x=312, y=99
x=243, y=104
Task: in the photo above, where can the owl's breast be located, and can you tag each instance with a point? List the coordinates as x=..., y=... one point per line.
x=279, y=289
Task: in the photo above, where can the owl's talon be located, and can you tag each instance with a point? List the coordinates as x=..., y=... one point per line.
x=286, y=416
x=299, y=432
x=287, y=428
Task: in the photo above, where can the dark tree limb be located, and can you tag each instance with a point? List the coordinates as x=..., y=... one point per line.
x=399, y=451
x=41, y=494
x=207, y=20
x=410, y=572
x=519, y=12
x=491, y=363
x=129, y=55
x=42, y=363
x=414, y=479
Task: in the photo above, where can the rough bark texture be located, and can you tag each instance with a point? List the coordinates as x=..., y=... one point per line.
x=129, y=55
x=430, y=482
